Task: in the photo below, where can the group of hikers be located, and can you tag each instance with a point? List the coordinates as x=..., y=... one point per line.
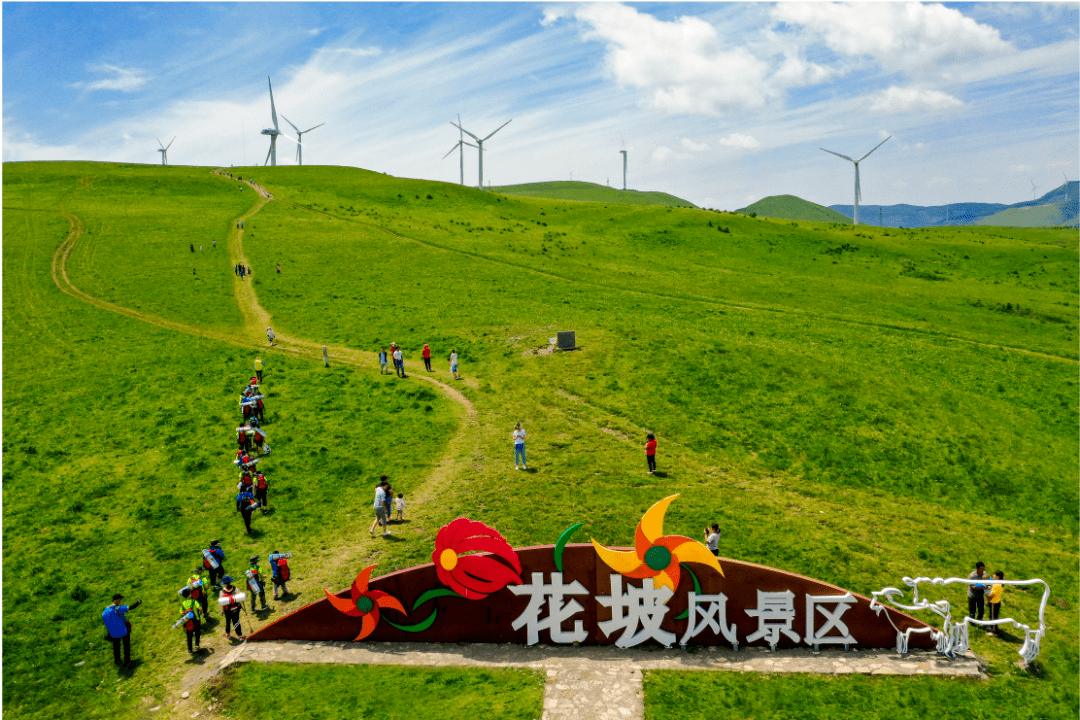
x=251, y=438
x=398, y=356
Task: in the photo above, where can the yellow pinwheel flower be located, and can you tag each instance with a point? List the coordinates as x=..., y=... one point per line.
x=656, y=555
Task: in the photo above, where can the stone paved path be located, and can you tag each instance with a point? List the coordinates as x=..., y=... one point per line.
x=605, y=683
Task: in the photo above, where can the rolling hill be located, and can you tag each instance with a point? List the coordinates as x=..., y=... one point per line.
x=591, y=192
x=789, y=207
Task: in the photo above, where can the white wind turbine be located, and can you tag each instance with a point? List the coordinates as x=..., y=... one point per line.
x=623, y=169
x=299, y=139
x=1034, y=189
x=273, y=132
x=480, y=146
x=460, y=144
x=164, y=150
x=858, y=190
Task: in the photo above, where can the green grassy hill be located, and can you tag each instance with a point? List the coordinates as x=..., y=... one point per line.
x=789, y=207
x=853, y=404
x=1038, y=216
x=591, y=192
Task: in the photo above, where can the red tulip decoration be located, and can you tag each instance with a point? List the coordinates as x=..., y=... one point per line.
x=364, y=603
x=474, y=576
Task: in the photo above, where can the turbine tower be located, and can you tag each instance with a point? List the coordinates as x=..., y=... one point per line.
x=623, y=169
x=480, y=146
x=858, y=190
x=273, y=132
x=1034, y=189
x=460, y=144
x=164, y=150
x=299, y=138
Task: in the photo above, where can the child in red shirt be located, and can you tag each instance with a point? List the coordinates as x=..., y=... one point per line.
x=650, y=452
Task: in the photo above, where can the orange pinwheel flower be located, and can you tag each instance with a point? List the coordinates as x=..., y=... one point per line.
x=364, y=603
x=656, y=555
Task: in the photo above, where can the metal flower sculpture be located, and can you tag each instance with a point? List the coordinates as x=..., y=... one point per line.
x=474, y=576
x=364, y=603
x=656, y=555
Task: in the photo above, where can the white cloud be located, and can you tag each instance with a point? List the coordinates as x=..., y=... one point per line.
x=939, y=182
x=1020, y=168
x=912, y=99
x=122, y=80
x=353, y=52
x=740, y=142
x=908, y=37
x=693, y=146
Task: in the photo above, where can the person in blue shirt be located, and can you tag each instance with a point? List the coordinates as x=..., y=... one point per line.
x=118, y=628
x=246, y=504
x=211, y=555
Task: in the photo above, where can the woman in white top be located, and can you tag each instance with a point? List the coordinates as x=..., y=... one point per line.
x=519, y=447
x=712, y=539
x=453, y=368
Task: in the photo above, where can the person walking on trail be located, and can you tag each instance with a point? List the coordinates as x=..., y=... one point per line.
x=382, y=361
x=279, y=268
x=380, y=508
x=214, y=561
x=453, y=364
x=427, y=357
x=199, y=593
x=259, y=367
x=650, y=452
x=190, y=612
x=231, y=601
x=245, y=505
x=118, y=628
x=399, y=362
x=270, y=335
x=261, y=488
x=519, y=447
x=976, y=591
x=279, y=572
x=255, y=582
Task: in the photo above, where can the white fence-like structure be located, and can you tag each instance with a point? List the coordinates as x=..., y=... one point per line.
x=953, y=637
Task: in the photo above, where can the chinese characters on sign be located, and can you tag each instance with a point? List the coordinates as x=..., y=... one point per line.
x=637, y=613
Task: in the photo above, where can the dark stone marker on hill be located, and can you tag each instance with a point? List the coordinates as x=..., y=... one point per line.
x=567, y=340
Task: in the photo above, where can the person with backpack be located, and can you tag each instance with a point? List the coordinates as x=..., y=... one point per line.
x=261, y=487
x=382, y=362
x=255, y=582
x=246, y=484
x=279, y=572
x=259, y=365
x=117, y=627
x=232, y=602
x=197, y=586
x=246, y=504
x=243, y=439
x=214, y=561
x=190, y=612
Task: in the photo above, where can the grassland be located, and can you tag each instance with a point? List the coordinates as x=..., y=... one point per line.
x=849, y=403
x=591, y=192
x=1038, y=216
x=789, y=207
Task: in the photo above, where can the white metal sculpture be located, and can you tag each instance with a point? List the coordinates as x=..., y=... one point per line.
x=953, y=637
x=480, y=147
x=858, y=189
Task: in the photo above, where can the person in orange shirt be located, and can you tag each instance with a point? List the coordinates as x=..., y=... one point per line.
x=427, y=357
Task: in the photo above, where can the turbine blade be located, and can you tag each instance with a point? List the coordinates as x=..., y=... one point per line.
x=465, y=131
x=309, y=129
x=268, y=152
x=451, y=150
x=838, y=155
x=171, y=142
x=498, y=129
x=875, y=148
x=273, y=110
x=290, y=122
x=159, y=143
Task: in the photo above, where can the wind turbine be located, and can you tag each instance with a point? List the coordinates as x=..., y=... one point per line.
x=623, y=169
x=480, y=146
x=858, y=190
x=273, y=132
x=1034, y=189
x=299, y=139
x=164, y=150
x=460, y=144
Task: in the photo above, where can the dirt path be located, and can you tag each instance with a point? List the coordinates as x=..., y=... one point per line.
x=462, y=447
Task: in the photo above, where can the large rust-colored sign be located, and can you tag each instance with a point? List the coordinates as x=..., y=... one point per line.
x=665, y=590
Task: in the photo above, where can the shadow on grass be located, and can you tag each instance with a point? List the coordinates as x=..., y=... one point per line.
x=660, y=474
x=200, y=657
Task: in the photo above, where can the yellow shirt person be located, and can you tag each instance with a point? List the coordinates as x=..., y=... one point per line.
x=259, y=368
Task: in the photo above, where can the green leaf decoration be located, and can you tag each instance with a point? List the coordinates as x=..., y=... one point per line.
x=560, y=544
x=431, y=594
x=697, y=589
x=418, y=627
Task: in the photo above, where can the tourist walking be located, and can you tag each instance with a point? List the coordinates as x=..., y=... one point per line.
x=382, y=361
x=190, y=612
x=255, y=582
x=380, y=507
x=650, y=452
x=245, y=505
x=118, y=628
x=231, y=602
x=427, y=357
x=279, y=572
x=270, y=335
x=399, y=362
x=519, y=447
x=453, y=364
x=976, y=591
x=214, y=561
x=259, y=366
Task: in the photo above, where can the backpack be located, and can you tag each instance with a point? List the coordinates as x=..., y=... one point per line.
x=283, y=569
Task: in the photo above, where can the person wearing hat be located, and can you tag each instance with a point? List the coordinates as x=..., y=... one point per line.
x=231, y=607
x=191, y=613
x=117, y=627
x=259, y=368
x=255, y=582
x=214, y=561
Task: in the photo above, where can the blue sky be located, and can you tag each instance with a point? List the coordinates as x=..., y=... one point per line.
x=721, y=104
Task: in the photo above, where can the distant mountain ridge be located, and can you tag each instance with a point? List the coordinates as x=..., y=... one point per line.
x=591, y=192
x=1065, y=200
